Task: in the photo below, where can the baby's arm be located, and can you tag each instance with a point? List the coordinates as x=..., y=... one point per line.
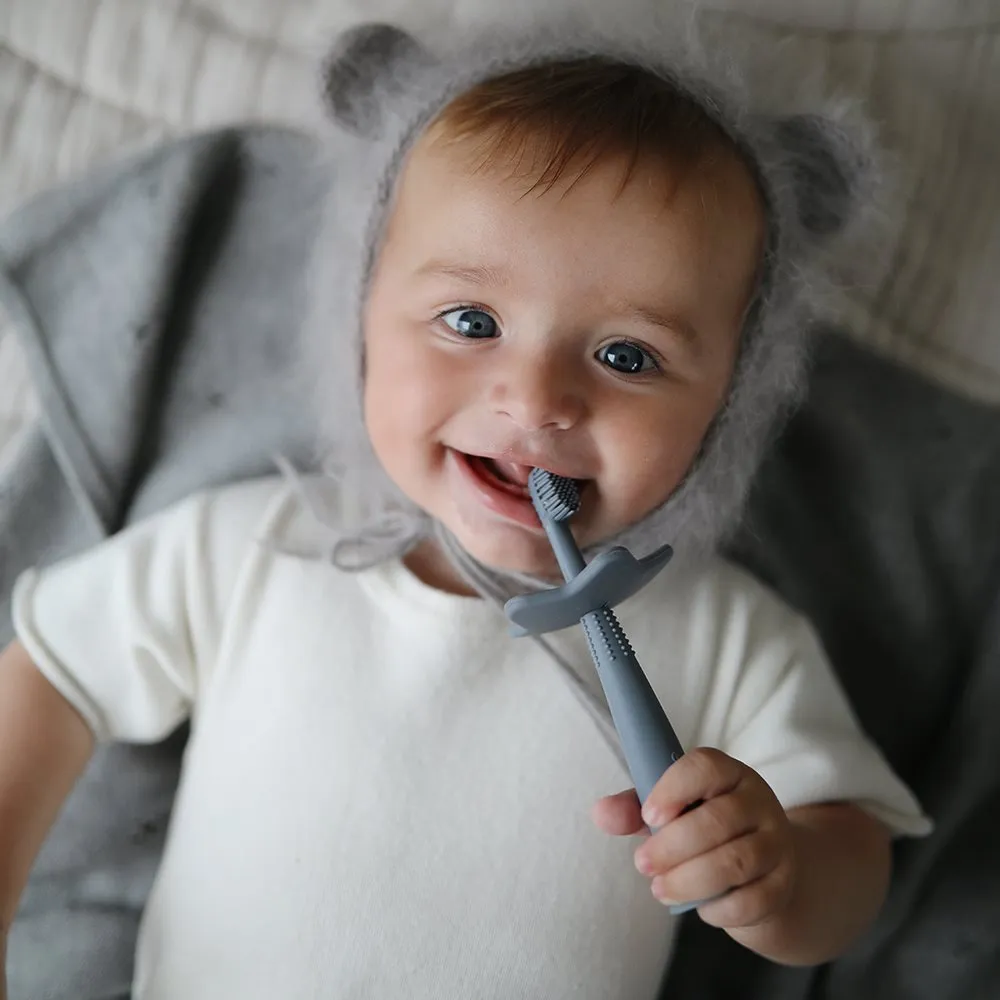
x=44, y=747
x=803, y=884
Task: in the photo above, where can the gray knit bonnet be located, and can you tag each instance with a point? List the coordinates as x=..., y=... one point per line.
x=382, y=87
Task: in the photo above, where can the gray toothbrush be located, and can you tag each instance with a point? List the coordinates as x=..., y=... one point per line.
x=647, y=738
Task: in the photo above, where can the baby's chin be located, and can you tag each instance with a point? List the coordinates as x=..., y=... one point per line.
x=510, y=548
x=530, y=556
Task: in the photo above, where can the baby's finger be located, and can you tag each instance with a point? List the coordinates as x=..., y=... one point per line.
x=751, y=903
x=741, y=861
x=619, y=814
x=713, y=824
x=700, y=774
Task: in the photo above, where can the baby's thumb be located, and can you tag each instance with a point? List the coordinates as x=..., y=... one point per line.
x=619, y=814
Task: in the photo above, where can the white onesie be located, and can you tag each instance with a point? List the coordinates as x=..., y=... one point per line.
x=386, y=796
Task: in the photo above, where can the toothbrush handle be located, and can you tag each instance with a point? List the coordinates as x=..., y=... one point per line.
x=648, y=740
x=564, y=546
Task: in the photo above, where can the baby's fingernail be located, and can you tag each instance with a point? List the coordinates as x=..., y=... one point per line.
x=660, y=893
x=652, y=816
x=643, y=863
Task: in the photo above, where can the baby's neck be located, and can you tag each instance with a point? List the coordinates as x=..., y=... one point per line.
x=431, y=566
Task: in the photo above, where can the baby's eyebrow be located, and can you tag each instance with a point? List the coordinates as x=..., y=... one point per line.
x=475, y=274
x=673, y=324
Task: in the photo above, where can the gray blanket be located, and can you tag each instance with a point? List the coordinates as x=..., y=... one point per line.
x=158, y=302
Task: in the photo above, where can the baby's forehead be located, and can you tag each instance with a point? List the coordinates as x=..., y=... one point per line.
x=714, y=198
x=608, y=237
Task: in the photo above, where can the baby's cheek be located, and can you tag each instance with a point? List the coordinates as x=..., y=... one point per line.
x=641, y=479
x=394, y=381
x=406, y=406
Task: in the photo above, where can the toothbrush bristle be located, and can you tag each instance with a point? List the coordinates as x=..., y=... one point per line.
x=554, y=497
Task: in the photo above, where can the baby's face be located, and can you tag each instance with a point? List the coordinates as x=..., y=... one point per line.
x=587, y=329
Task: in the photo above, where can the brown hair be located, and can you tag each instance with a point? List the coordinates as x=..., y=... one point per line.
x=550, y=119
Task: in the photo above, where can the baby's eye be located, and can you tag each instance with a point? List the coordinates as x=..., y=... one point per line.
x=629, y=359
x=473, y=323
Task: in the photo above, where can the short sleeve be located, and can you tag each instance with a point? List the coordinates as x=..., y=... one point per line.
x=789, y=719
x=126, y=629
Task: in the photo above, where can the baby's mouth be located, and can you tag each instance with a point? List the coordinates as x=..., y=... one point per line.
x=500, y=484
x=511, y=477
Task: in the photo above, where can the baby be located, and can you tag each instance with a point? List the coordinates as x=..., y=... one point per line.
x=562, y=252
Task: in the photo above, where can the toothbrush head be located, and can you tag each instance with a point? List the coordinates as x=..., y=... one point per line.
x=555, y=497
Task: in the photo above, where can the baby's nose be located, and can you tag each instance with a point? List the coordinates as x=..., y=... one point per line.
x=539, y=393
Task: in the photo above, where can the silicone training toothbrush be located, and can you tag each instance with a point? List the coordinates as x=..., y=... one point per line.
x=647, y=738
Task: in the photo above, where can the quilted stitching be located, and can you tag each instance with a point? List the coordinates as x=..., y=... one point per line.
x=939, y=17
x=17, y=403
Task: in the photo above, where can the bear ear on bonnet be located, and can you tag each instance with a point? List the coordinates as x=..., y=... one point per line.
x=831, y=173
x=367, y=65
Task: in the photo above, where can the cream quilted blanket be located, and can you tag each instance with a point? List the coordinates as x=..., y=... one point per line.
x=82, y=79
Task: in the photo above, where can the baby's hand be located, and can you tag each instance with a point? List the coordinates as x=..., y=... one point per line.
x=739, y=838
